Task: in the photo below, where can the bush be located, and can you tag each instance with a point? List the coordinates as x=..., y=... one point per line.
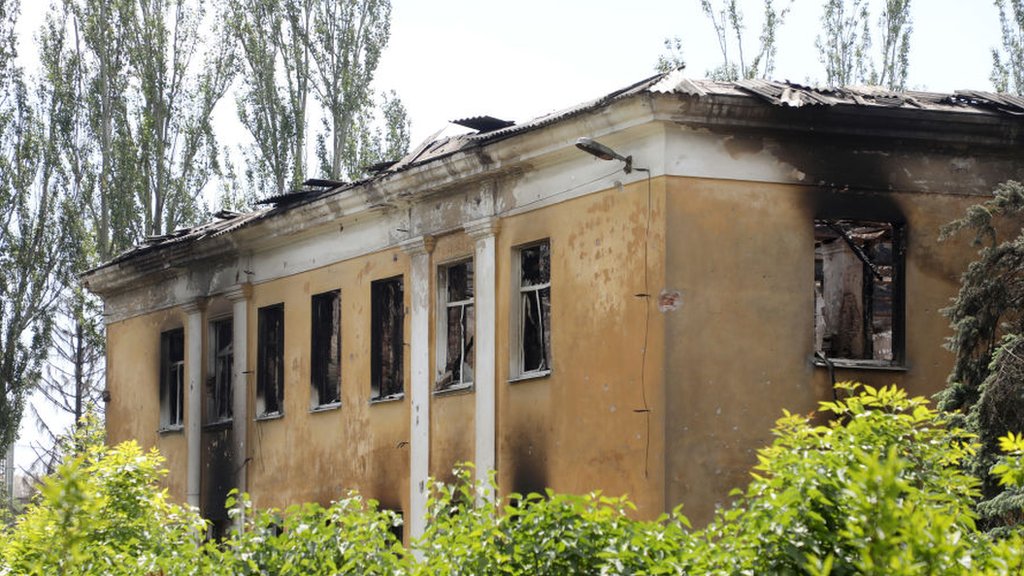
x=879, y=490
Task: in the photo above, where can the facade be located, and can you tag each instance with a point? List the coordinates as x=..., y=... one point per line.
x=506, y=298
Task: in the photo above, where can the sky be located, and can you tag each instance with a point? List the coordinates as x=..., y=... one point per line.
x=451, y=59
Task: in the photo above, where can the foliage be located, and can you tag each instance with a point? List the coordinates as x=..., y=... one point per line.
x=984, y=389
x=672, y=59
x=877, y=490
x=729, y=26
x=844, y=46
x=295, y=49
x=34, y=208
x=469, y=532
x=350, y=537
x=1008, y=60
x=101, y=514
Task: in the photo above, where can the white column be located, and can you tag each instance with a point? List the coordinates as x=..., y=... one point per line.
x=239, y=297
x=484, y=264
x=419, y=386
x=193, y=420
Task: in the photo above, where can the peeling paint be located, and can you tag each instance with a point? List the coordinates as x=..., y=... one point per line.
x=669, y=300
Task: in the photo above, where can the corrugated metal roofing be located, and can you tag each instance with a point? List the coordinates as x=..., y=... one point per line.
x=773, y=92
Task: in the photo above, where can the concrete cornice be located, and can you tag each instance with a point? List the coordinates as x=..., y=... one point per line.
x=482, y=228
x=417, y=246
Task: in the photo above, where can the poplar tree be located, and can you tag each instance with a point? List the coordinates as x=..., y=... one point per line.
x=1008, y=59
x=327, y=51
x=738, y=60
x=845, y=45
x=33, y=212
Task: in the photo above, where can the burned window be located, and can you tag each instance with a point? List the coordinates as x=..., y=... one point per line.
x=457, y=326
x=534, y=309
x=325, y=349
x=857, y=290
x=172, y=379
x=218, y=382
x=387, y=332
x=270, y=361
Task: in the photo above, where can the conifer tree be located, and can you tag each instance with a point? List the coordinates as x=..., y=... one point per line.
x=986, y=387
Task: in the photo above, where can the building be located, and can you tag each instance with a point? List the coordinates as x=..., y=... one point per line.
x=510, y=298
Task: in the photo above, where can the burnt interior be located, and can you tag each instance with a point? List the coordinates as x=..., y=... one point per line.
x=387, y=337
x=857, y=304
x=325, y=348
x=270, y=360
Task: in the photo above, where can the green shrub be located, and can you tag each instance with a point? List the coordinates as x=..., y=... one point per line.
x=350, y=537
x=878, y=490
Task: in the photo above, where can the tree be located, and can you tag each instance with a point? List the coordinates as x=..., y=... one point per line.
x=1008, y=60
x=345, y=45
x=297, y=48
x=986, y=386
x=845, y=45
x=177, y=147
x=729, y=27
x=33, y=211
x=672, y=59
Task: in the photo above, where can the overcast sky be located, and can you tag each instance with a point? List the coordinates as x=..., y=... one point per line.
x=516, y=60
x=451, y=59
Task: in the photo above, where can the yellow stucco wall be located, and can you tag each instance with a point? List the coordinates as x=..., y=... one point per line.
x=320, y=456
x=666, y=407
x=739, y=349
x=133, y=380
x=452, y=414
x=582, y=427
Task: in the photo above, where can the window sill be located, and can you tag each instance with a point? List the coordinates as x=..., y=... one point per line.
x=176, y=429
x=465, y=388
x=386, y=399
x=270, y=416
x=325, y=407
x=218, y=425
x=530, y=376
x=847, y=364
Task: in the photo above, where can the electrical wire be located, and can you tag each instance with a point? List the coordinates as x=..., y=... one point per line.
x=646, y=295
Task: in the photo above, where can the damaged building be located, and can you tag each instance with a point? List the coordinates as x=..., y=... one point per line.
x=622, y=296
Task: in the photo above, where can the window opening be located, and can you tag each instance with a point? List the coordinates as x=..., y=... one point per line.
x=535, y=308
x=172, y=378
x=270, y=361
x=219, y=387
x=387, y=333
x=458, y=325
x=857, y=296
x=325, y=349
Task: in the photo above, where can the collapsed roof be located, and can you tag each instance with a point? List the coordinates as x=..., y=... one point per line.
x=489, y=130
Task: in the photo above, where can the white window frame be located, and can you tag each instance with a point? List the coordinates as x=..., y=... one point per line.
x=516, y=355
x=441, y=345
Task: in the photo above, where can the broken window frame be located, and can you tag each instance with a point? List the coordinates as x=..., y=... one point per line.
x=879, y=274
x=270, y=362
x=533, y=299
x=325, y=350
x=387, y=333
x=172, y=380
x=220, y=369
x=451, y=376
